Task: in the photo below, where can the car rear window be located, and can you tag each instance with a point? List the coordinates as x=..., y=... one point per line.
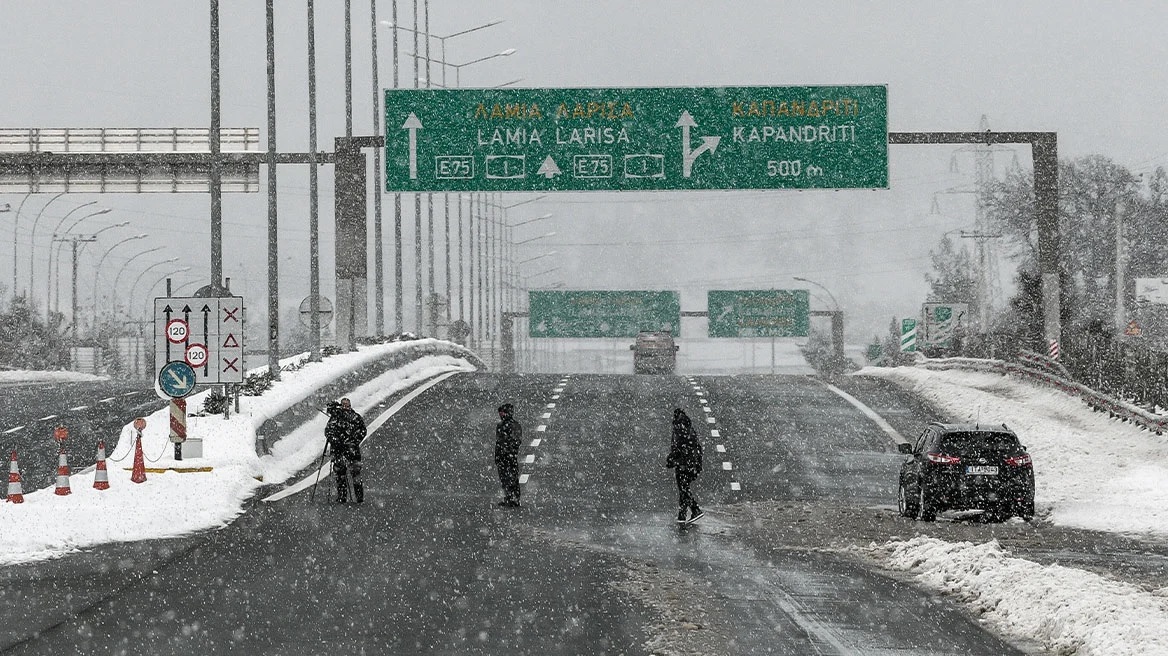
x=973, y=442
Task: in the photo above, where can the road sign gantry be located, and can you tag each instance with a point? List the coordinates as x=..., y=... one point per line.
x=636, y=139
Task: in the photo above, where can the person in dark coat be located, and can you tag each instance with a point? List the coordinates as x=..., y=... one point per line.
x=343, y=433
x=508, y=438
x=685, y=458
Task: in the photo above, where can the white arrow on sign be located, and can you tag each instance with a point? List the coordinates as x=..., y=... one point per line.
x=549, y=169
x=709, y=144
x=180, y=382
x=413, y=125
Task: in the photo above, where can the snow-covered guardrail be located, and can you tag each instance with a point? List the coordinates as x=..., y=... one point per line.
x=288, y=418
x=1052, y=374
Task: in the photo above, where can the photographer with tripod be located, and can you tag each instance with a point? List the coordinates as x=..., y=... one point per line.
x=343, y=435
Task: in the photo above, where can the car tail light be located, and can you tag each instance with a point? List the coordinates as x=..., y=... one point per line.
x=1020, y=461
x=942, y=459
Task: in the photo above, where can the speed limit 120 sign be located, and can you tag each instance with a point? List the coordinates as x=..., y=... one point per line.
x=177, y=331
x=196, y=355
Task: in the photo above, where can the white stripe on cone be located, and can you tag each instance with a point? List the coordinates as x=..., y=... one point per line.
x=100, y=475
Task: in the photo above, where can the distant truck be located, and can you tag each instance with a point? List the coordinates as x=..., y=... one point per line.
x=654, y=353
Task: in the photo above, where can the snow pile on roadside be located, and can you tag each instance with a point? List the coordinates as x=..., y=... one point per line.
x=1090, y=471
x=1069, y=611
x=173, y=504
x=22, y=376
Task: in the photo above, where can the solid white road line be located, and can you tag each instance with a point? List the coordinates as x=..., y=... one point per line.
x=523, y=479
x=868, y=412
x=727, y=466
x=551, y=405
x=735, y=486
x=711, y=420
x=78, y=408
x=324, y=471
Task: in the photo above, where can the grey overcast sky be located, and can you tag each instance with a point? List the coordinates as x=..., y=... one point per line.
x=1092, y=71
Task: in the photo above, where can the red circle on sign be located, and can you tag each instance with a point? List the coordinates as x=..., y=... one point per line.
x=196, y=355
x=177, y=331
x=139, y=423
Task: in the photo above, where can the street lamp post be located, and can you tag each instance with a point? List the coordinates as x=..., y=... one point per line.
x=55, y=256
x=130, y=298
x=127, y=264
x=146, y=308
x=32, y=244
x=97, y=273
x=837, y=318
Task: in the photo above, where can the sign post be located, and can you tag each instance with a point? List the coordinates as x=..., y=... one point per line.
x=636, y=139
x=204, y=333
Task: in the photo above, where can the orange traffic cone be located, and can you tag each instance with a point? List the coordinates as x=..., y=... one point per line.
x=100, y=475
x=63, y=474
x=15, y=492
x=139, y=474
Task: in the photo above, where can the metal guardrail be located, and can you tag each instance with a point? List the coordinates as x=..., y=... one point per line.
x=126, y=140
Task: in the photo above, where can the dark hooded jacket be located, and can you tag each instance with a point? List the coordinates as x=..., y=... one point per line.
x=344, y=432
x=508, y=434
x=685, y=451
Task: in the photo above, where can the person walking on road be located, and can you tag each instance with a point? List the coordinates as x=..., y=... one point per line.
x=343, y=434
x=685, y=459
x=508, y=438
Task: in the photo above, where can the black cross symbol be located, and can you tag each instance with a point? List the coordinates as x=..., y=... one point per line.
x=230, y=364
x=229, y=314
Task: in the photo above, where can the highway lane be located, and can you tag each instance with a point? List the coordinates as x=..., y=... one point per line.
x=593, y=562
x=91, y=411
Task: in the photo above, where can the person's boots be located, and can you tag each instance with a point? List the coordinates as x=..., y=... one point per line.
x=359, y=492
x=681, y=516
x=696, y=514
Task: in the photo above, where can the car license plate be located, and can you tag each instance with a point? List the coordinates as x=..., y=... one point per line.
x=982, y=470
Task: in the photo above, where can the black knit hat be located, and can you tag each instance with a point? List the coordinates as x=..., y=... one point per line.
x=506, y=409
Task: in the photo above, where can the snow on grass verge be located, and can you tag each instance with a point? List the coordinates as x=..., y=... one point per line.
x=1069, y=611
x=1090, y=471
x=173, y=504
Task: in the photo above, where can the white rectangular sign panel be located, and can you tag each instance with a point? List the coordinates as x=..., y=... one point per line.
x=206, y=333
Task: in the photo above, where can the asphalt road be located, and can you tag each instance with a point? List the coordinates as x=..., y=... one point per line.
x=593, y=563
x=90, y=411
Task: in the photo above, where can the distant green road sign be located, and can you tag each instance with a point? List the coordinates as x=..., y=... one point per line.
x=759, y=313
x=636, y=139
x=602, y=313
x=908, y=335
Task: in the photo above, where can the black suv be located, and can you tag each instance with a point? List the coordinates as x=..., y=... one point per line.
x=966, y=467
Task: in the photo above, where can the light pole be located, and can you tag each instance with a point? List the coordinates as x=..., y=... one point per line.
x=146, y=308
x=97, y=273
x=55, y=256
x=127, y=264
x=837, y=318
x=32, y=244
x=130, y=298
x=15, y=246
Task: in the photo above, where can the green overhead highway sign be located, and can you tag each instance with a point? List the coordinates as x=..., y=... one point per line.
x=636, y=139
x=602, y=313
x=758, y=313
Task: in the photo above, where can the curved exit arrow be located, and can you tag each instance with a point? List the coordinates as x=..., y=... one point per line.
x=685, y=122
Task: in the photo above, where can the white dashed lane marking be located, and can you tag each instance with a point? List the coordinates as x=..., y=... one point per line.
x=529, y=459
x=13, y=430
x=106, y=400
x=47, y=418
x=727, y=465
x=78, y=408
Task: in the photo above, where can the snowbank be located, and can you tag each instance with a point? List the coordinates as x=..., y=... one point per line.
x=22, y=376
x=1069, y=611
x=172, y=504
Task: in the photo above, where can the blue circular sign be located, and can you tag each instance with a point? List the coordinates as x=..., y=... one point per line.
x=176, y=379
